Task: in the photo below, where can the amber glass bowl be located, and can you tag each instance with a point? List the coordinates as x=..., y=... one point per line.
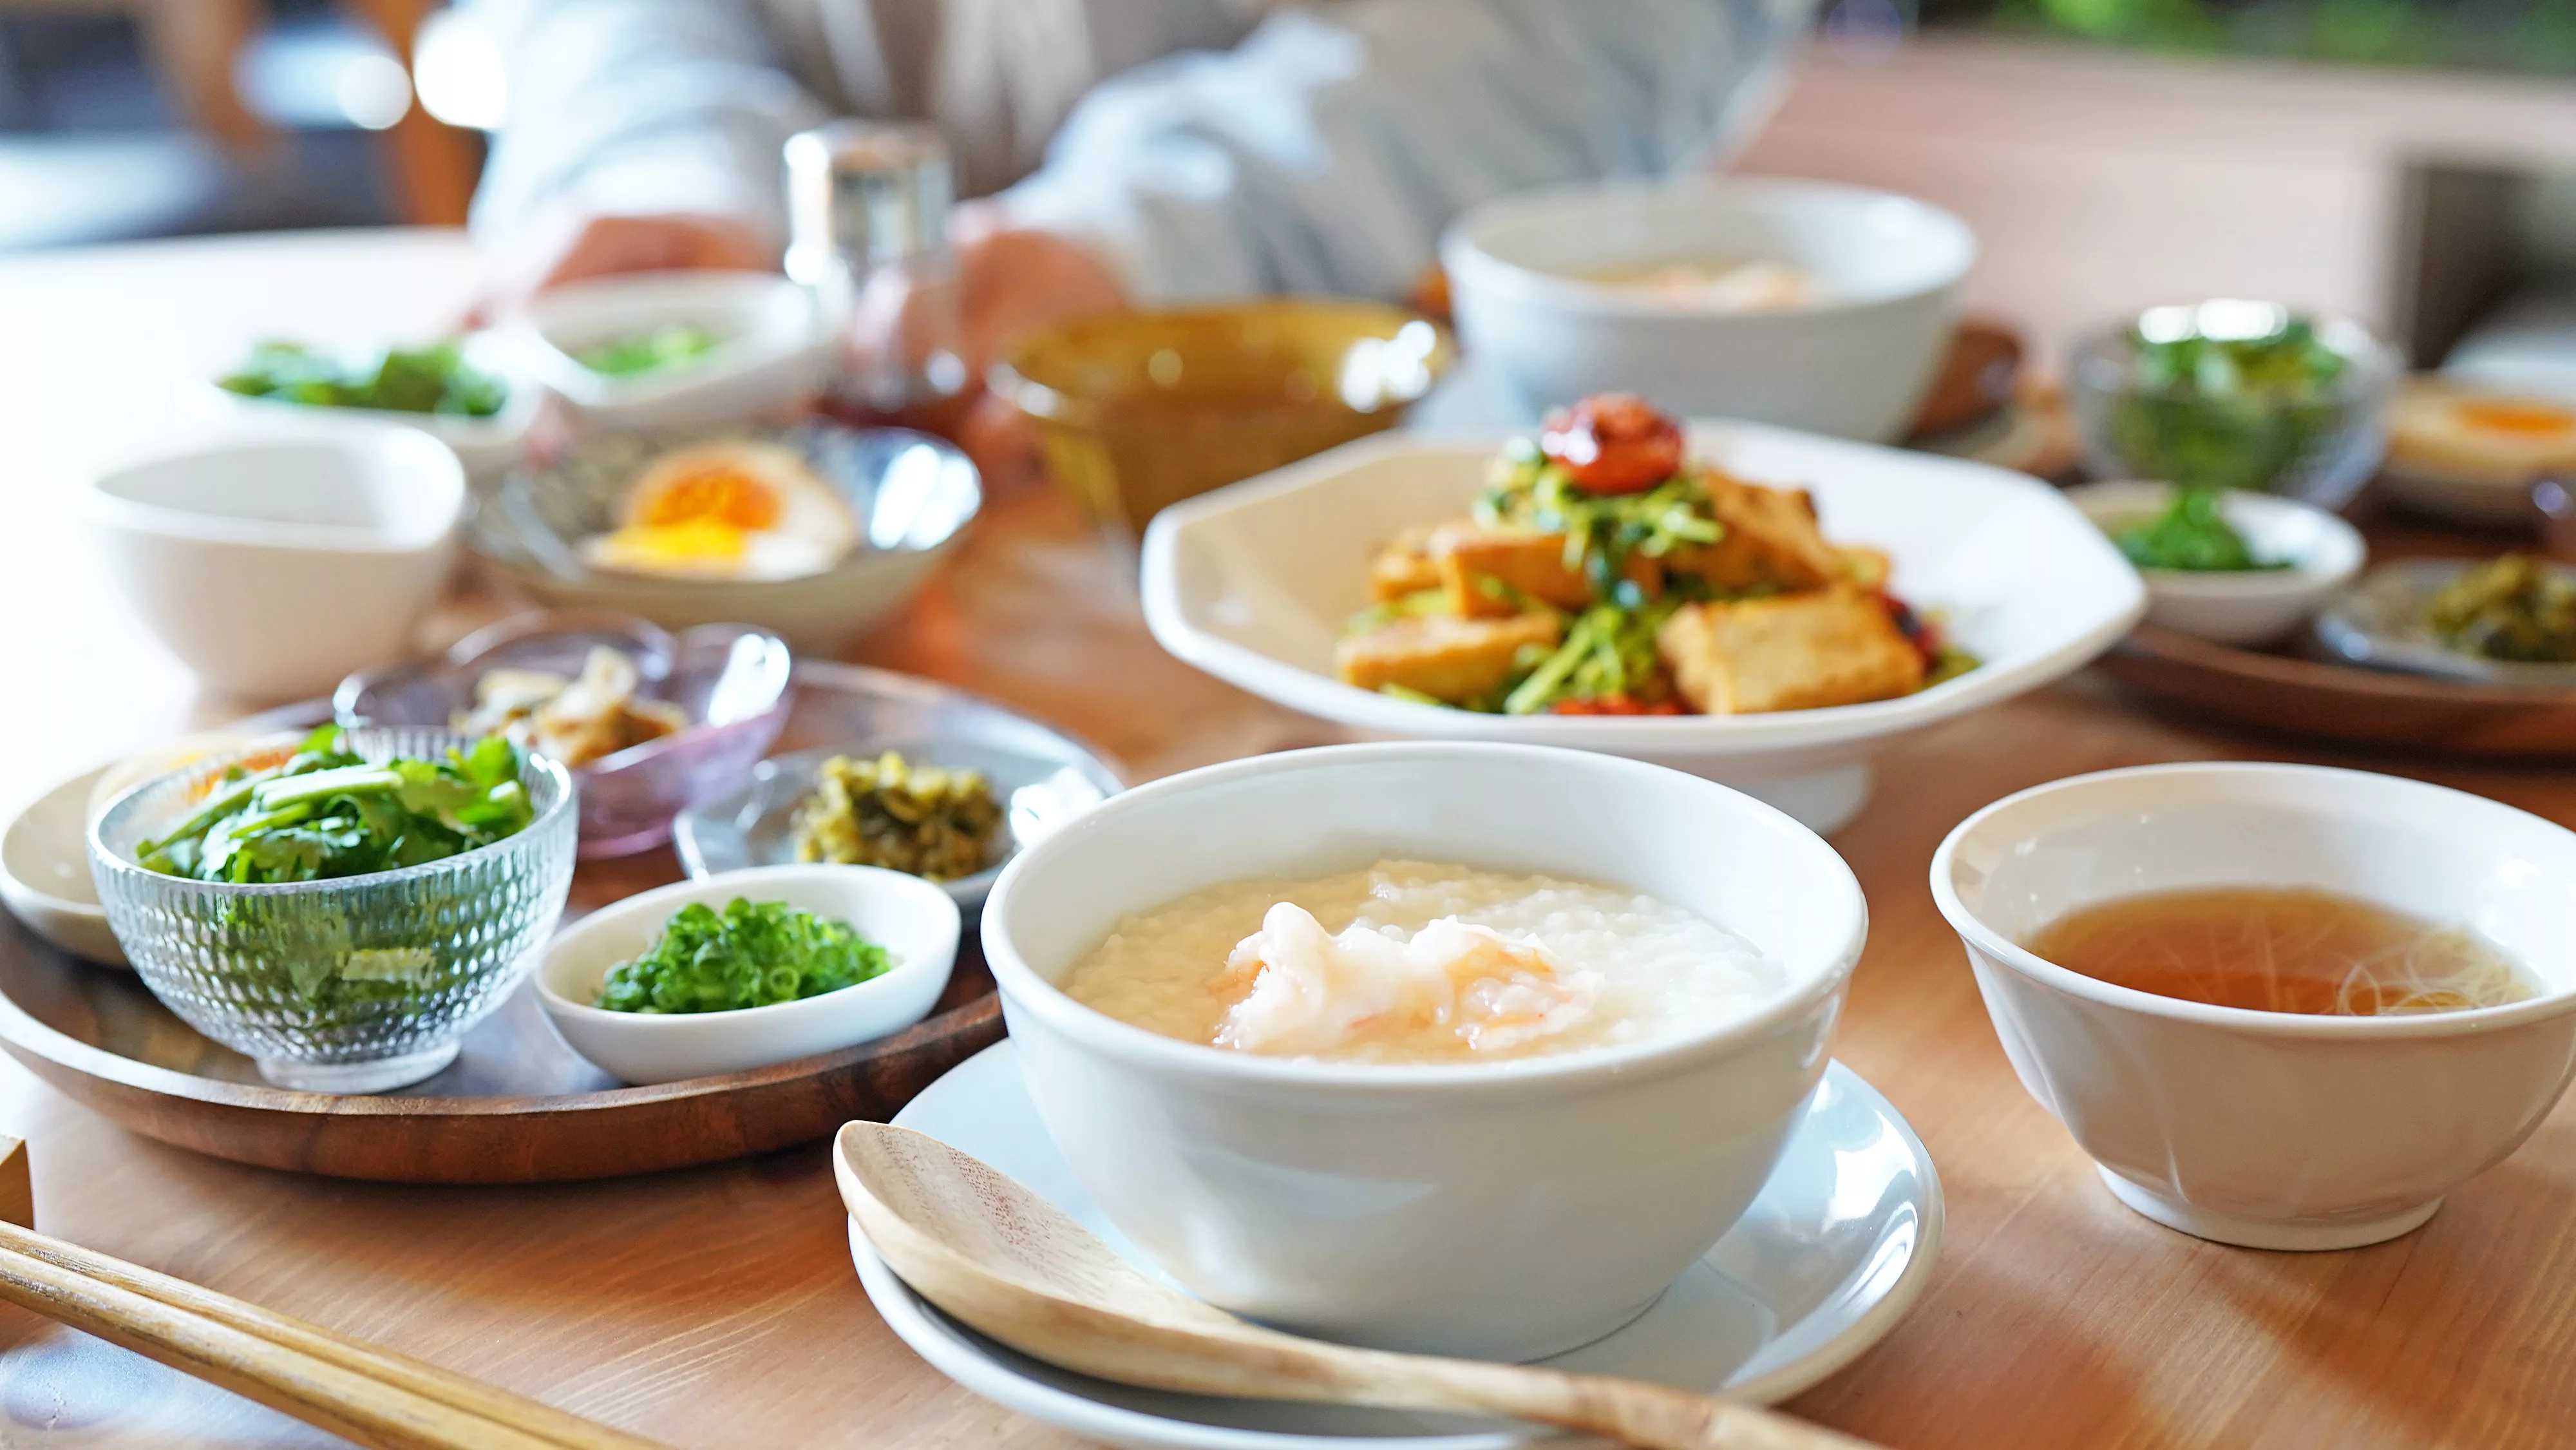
x=1141, y=409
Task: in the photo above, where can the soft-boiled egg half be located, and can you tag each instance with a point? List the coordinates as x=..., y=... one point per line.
x=733, y=510
x=2443, y=430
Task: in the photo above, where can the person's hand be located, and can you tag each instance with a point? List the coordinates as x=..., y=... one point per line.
x=1013, y=280
x=569, y=245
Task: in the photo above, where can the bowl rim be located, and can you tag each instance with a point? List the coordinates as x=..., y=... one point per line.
x=432, y=463
x=1008, y=379
x=21, y=820
x=1462, y=254
x=1135, y=1047
x=2329, y=567
x=556, y=811
x=676, y=894
x=1984, y=940
x=1315, y=692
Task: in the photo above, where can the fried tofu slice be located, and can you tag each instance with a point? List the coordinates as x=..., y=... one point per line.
x=1868, y=568
x=1449, y=659
x=1771, y=541
x=1527, y=565
x=1806, y=651
x=1403, y=567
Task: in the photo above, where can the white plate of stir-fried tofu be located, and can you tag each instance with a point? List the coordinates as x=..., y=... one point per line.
x=1763, y=607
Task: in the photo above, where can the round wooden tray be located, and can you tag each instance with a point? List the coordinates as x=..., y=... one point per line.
x=2345, y=702
x=517, y=1106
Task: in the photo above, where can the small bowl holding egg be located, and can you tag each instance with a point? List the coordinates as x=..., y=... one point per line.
x=813, y=531
x=2470, y=453
x=2280, y=1006
x=649, y=722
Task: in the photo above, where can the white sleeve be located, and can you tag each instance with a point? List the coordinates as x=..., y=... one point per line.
x=1326, y=152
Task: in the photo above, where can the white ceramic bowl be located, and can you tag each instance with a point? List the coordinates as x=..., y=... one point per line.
x=1506, y=1210
x=2254, y=607
x=485, y=446
x=273, y=563
x=1254, y=582
x=911, y=918
x=1854, y=365
x=44, y=871
x=2272, y=1130
x=771, y=355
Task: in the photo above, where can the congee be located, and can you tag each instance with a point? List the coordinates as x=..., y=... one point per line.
x=1411, y=962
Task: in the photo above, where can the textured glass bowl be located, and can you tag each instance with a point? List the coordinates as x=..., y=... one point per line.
x=2319, y=449
x=355, y=985
x=730, y=679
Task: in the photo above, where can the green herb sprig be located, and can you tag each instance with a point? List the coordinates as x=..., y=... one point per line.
x=2192, y=534
x=751, y=954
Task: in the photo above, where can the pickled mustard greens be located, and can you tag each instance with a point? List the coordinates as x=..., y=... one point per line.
x=751, y=954
x=2191, y=535
x=646, y=352
x=327, y=812
x=2225, y=412
x=434, y=379
x=934, y=823
x=2513, y=608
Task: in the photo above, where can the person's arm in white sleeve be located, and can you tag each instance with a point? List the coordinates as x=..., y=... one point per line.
x=1326, y=152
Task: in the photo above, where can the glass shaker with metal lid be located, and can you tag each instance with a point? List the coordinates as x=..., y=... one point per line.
x=868, y=232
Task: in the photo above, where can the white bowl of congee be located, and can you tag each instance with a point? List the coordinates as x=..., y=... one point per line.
x=2280, y=1006
x=1461, y=1048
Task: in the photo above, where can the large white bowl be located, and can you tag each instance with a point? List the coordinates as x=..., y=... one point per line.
x=1253, y=583
x=1506, y=1210
x=273, y=563
x=911, y=918
x=770, y=359
x=1854, y=365
x=2251, y=607
x=2269, y=1129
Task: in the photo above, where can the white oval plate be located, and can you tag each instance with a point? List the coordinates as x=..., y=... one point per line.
x=1828, y=1258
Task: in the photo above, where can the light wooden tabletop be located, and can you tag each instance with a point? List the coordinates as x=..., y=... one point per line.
x=717, y=1307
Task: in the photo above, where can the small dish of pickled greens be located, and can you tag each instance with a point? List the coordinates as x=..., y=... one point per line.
x=2231, y=568
x=2192, y=535
x=672, y=345
x=324, y=812
x=434, y=380
x=749, y=954
x=2233, y=394
x=924, y=820
x=2510, y=620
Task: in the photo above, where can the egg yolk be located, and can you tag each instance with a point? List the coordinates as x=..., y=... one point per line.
x=689, y=540
x=2525, y=418
x=719, y=496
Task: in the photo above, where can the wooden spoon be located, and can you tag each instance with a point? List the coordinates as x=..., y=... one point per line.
x=1001, y=1258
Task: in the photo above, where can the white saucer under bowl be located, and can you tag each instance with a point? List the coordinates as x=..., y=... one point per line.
x=1822, y=1265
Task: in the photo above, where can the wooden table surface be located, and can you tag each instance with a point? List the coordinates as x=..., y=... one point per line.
x=717, y=1307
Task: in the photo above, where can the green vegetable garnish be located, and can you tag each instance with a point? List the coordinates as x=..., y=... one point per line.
x=2224, y=411
x=2513, y=608
x=327, y=813
x=432, y=379
x=752, y=954
x=2191, y=534
x=935, y=823
x=1608, y=650
x=1601, y=530
x=645, y=352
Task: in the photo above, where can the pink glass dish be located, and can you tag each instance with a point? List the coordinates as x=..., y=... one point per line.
x=730, y=679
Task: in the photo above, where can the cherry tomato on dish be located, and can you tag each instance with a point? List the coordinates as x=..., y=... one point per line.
x=1613, y=443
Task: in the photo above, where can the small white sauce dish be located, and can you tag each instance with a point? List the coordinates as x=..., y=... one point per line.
x=911, y=918
x=1504, y=1210
x=273, y=563
x=44, y=871
x=2272, y=1130
x=769, y=359
x=1854, y=362
x=2252, y=607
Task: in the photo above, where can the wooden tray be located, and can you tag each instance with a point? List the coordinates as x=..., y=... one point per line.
x=517, y=1106
x=2299, y=695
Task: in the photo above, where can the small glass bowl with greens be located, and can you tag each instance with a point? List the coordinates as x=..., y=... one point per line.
x=2232, y=394
x=454, y=390
x=748, y=969
x=342, y=906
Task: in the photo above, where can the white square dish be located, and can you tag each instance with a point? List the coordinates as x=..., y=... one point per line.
x=1252, y=583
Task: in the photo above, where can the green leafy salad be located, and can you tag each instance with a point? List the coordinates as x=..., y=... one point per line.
x=2192, y=535
x=645, y=352
x=751, y=954
x=2224, y=411
x=326, y=812
x=433, y=379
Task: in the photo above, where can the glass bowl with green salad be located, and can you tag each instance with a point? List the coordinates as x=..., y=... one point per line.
x=455, y=389
x=2234, y=394
x=343, y=905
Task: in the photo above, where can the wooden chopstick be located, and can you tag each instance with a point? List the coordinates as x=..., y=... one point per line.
x=346, y=1386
